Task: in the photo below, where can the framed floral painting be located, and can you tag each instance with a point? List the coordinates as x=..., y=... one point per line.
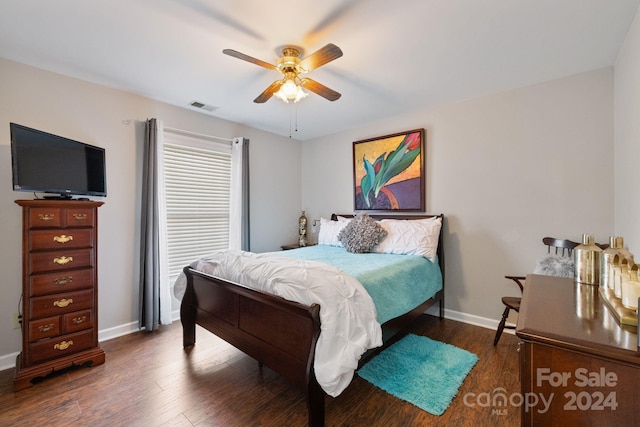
x=389, y=173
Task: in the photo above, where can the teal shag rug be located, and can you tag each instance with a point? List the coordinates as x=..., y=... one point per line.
x=421, y=371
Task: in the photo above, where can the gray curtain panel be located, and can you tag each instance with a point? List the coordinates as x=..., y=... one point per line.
x=149, y=235
x=245, y=246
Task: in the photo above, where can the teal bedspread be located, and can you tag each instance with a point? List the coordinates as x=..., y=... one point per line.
x=396, y=283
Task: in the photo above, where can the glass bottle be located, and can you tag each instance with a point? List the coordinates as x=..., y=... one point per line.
x=587, y=261
x=630, y=289
x=606, y=258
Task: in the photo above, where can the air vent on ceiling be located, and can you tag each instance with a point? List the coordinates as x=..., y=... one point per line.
x=203, y=106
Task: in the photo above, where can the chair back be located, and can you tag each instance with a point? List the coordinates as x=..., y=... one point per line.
x=562, y=247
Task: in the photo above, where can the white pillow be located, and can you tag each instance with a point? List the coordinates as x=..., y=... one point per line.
x=329, y=231
x=410, y=237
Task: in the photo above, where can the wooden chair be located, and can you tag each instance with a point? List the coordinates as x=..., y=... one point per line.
x=561, y=247
x=565, y=247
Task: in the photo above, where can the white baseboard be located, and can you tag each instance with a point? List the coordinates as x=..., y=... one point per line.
x=470, y=319
x=118, y=331
x=8, y=361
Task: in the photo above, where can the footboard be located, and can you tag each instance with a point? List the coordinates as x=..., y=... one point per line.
x=278, y=333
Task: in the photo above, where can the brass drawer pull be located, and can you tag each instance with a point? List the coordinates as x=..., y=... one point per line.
x=63, y=260
x=63, y=345
x=62, y=302
x=45, y=328
x=61, y=281
x=62, y=238
x=79, y=216
x=46, y=217
x=79, y=320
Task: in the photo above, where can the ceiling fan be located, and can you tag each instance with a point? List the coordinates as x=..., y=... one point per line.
x=289, y=88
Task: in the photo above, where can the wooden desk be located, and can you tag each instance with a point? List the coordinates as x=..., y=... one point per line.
x=576, y=357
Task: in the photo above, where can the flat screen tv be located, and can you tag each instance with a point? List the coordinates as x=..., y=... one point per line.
x=46, y=163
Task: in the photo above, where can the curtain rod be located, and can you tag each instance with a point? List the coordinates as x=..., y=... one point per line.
x=201, y=135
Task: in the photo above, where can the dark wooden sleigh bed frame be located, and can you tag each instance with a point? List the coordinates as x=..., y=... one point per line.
x=278, y=333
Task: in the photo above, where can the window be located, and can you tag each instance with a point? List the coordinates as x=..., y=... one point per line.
x=197, y=179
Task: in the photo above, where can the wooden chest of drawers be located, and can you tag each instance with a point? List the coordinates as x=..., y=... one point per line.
x=59, y=288
x=578, y=366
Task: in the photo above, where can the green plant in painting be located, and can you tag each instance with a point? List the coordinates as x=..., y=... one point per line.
x=378, y=173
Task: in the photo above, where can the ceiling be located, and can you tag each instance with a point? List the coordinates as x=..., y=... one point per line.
x=399, y=56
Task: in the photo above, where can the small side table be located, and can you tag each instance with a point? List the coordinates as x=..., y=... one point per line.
x=293, y=246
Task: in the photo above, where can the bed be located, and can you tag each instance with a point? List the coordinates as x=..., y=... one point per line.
x=283, y=334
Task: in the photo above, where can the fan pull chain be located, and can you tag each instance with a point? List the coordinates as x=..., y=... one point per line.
x=293, y=118
x=290, y=114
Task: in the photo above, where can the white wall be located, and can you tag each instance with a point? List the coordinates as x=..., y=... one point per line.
x=627, y=138
x=506, y=170
x=95, y=114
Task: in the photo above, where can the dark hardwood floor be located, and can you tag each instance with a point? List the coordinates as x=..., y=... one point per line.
x=149, y=380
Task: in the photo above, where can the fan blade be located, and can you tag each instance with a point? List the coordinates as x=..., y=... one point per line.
x=319, y=89
x=268, y=92
x=248, y=58
x=321, y=57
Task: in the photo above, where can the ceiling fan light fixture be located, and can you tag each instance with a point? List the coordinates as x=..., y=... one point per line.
x=290, y=91
x=300, y=94
x=291, y=66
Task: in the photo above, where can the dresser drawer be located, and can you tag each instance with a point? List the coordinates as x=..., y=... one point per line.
x=41, y=262
x=61, y=239
x=45, y=217
x=64, y=281
x=78, y=321
x=44, y=328
x=57, y=304
x=79, y=217
x=64, y=345
x=61, y=217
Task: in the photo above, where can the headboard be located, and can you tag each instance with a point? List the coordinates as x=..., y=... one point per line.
x=377, y=217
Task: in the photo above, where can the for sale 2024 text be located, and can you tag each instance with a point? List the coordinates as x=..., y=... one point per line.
x=587, y=399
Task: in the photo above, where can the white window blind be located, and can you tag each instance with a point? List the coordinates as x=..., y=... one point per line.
x=197, y=189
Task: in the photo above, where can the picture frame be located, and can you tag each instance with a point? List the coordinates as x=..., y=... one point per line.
x=389, y=173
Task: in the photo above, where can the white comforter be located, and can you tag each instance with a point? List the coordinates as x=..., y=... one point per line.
x=347, y=313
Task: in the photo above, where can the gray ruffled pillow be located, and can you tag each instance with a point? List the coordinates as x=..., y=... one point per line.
x=361, y=234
